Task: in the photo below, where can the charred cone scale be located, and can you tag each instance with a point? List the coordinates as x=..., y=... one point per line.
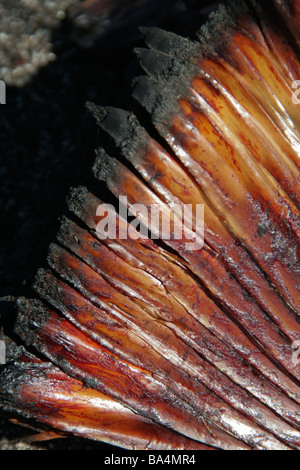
x=141, y=342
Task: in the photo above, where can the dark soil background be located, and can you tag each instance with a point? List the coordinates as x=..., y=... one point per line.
x=47, y=142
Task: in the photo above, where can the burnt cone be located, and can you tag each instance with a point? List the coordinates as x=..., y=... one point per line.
x=141, y=341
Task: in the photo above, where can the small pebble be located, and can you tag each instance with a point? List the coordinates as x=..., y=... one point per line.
x=26, y=29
